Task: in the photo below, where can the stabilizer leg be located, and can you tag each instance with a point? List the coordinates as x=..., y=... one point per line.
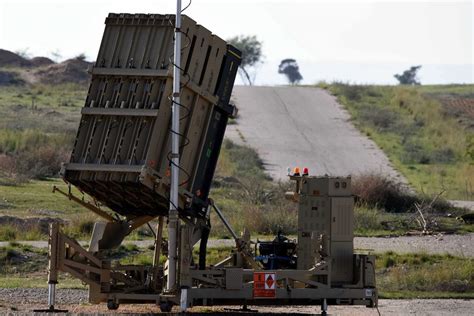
x=52, y=270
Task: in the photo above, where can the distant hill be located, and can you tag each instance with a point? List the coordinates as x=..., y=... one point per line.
x=17, y=70
x=10, y=59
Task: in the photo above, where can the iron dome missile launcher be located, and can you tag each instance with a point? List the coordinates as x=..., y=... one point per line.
x=121, y=158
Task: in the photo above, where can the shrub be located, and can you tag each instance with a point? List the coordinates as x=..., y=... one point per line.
x=86, y=227
x=381, y=119
x=443, y=155
x=42, y=162
x=381, y=192
x=350, y=92
x=38, y=163
x=378, y=191
x=388, y=262
x=366, y=218
x=415, y=153
x=7, y=165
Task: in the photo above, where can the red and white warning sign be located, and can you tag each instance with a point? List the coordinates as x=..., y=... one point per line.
x=264, y=284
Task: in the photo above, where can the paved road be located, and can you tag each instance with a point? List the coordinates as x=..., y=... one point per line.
x=457, y=245
x=306, y=127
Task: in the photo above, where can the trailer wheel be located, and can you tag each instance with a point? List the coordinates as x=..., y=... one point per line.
x=165, y=307
x=112, y=305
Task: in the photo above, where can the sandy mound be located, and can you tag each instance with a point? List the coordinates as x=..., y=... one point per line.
x=71, y=70
x=41, y=61
x=41, y=70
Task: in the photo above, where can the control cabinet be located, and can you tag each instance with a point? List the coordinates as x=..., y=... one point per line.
x=326, y=225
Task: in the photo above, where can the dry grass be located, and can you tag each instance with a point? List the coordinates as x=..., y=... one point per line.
x=433, y=148
x=424, y=273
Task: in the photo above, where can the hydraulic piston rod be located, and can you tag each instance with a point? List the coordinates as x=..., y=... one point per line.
x=224, y=221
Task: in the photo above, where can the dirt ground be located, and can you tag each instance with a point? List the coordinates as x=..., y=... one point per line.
x=25, y=301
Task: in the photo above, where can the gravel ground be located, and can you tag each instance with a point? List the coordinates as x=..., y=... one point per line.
x=465, y=204
x=24, y=301
x=457, y=245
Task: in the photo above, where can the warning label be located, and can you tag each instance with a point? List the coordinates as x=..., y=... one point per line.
x=264, y=284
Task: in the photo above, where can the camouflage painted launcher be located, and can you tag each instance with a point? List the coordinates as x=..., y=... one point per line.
x=121, y=155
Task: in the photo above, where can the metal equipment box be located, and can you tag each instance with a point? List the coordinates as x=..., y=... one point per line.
x=121, y=154
x=326, y=208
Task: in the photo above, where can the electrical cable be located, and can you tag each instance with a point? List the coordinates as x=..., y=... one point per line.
x=186, y=7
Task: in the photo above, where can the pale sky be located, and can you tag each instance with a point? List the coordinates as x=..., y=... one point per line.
x=355, y=41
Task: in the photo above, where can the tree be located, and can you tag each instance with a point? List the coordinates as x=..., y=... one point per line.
x=56, y=55
x=251, y=49
x=289, y=67
x=24, y=52
x=81, y=57
x=409, y=76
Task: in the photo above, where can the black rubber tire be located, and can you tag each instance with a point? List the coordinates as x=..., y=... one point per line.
x=166, y=307
x=112, y=305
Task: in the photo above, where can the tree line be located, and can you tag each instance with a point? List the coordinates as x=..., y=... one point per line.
x=251, y=49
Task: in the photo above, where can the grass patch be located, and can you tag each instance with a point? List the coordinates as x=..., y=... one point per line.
x=35, y=198
x=37, y=128
x=7, y=233
x=21, y=259
x=425, y=276
x=39, y=281
x=423, y=141
x=247, y=196
x=214, y=255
